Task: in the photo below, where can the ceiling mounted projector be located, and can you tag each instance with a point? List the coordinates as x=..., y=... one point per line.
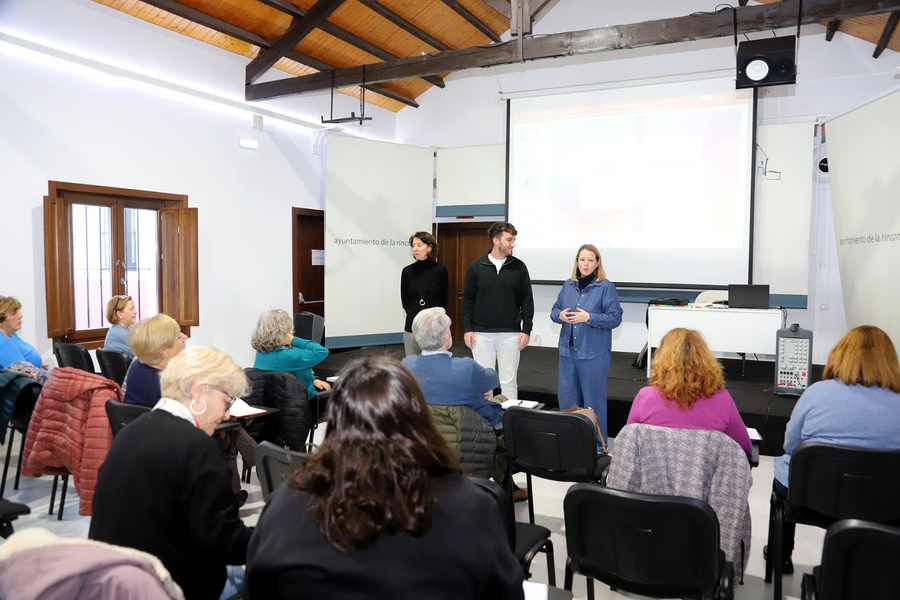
x=765, y=62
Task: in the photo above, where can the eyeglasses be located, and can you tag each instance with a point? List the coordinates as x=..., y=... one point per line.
x=119, y=300
x=231, y=400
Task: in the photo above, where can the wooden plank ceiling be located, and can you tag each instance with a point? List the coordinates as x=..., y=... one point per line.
x=398, y=49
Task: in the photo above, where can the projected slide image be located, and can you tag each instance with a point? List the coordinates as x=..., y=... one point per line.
x=666, y=172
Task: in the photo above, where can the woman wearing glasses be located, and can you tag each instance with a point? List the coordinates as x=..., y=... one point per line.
x=164, y=487
x=121, y=314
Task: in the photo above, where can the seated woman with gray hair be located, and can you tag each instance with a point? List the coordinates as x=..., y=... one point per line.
x=278, y=349
x=164, y=487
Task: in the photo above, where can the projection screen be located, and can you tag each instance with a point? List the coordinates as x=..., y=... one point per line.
x=658, y=177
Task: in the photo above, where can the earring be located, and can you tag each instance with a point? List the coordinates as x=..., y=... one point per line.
x=197, y=412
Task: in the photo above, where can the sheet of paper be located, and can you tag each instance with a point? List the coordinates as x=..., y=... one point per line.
x=242, y=409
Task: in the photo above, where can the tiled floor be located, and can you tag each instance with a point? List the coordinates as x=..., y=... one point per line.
x=548, y=497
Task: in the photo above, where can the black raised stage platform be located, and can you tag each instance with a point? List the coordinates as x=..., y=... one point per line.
x=752, y=392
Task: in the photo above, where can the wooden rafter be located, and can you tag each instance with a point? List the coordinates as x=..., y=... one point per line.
x=298, y=30
x=472, y=19
x=696, y=26
x=344, y=35
x=501, y=6
x=186, y=12
x=394, y=18
x=887, y=33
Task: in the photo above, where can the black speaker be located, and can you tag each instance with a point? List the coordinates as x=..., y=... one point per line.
x=769, y=61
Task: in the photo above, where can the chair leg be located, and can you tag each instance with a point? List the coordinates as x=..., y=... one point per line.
x=19, y=465
x=62, y=496
x=567, y=580
x=530, y=498
x=53, y=494
x=775, y=554
x=551, y=566
x=590, y=587
x=9, y=443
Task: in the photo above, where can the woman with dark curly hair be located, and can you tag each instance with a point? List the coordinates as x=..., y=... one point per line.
x=687, y=390
x=381, y=509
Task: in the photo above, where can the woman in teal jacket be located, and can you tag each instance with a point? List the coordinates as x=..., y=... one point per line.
x=277, y=349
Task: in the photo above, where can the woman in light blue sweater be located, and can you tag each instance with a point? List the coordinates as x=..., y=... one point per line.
x=857, y=403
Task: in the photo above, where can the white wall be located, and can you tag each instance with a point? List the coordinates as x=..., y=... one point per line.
x=59, y=123
x=65, y=122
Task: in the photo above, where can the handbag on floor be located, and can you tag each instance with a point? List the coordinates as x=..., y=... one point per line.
x=590, y=414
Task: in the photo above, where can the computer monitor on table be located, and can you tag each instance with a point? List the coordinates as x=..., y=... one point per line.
x=748, y=296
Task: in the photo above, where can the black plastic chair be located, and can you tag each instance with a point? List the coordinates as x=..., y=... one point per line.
x=657, y=546
x=9, y=512
x=294, y=422
x=121, y=414
x=828, y=483
x=559, y=446
x=113, y=364
x=525, y=539
x=859, y=560
x=73, y=355
x=309, y=326
x=274, y=464
x=21, y=416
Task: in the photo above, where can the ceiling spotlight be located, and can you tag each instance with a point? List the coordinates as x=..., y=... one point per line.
x=757, y=69
x=248, y=144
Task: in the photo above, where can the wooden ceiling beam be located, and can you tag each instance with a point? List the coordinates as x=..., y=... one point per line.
x=650, y=33
x=472, y=19
x=299, y=29
x=501, y=6
x=176, y=8
x=403, y=24
x=345, y=36
x=315, y=63
x=887, y=33
x=191, y=14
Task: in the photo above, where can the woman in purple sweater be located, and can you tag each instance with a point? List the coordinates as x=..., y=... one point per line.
x=687, y=390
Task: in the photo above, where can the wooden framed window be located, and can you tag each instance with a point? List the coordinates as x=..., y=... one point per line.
x=100, y=242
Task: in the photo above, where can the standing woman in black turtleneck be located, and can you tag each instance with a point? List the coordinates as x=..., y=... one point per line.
x=588, y=309
x=423, y=284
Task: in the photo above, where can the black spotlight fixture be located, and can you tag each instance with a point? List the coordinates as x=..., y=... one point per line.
x=765, y=62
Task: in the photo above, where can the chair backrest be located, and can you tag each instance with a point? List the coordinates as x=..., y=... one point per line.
x=553, y=445
x=121, y=414
x=25, y=402
x=309, y=326
x=283, y=391
x=661, y=546
x=469, y=435
x=710, y=296
x=504, y=503
x=274, y=464
x=113, y=364
x=833, y=482
x=859, y=560
x=73, y=355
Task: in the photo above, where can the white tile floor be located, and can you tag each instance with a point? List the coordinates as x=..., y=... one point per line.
x=548, y=498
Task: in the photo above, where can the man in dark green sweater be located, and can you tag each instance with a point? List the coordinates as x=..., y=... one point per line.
x=498, y=307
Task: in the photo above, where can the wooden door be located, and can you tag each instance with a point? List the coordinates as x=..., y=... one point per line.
x=309, y=260
x=460, y=244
